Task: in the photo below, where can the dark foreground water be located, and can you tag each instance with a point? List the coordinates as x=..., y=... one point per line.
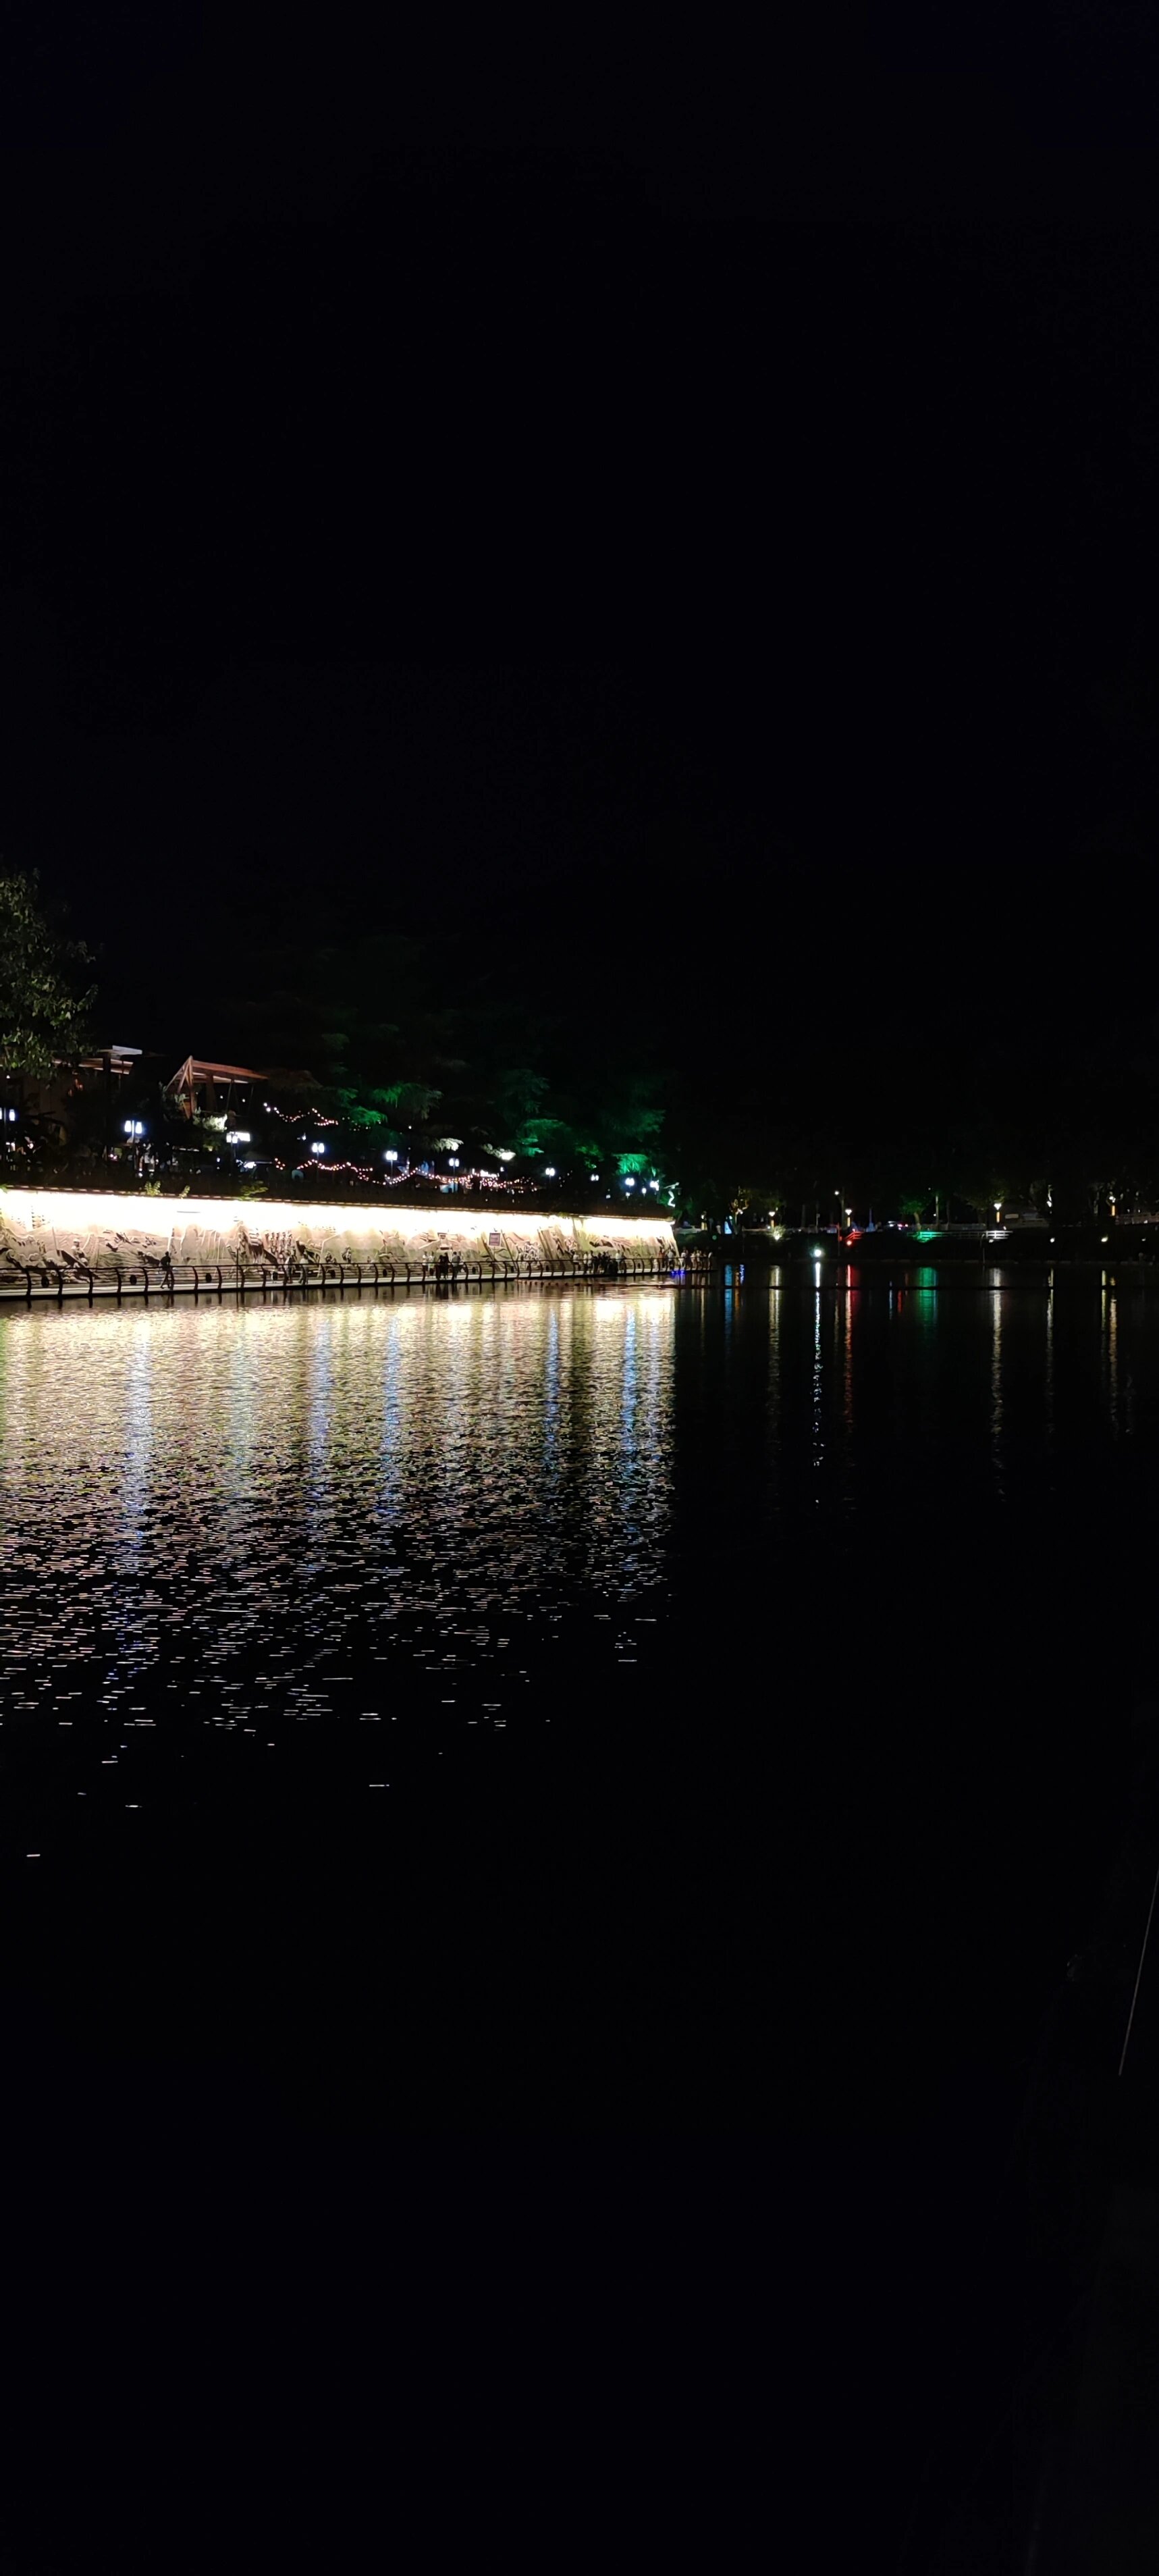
x=541, y=1835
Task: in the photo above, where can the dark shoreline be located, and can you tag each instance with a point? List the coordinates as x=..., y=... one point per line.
x=1125, y=1247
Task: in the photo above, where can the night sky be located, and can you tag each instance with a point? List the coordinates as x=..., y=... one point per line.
x=701, y=538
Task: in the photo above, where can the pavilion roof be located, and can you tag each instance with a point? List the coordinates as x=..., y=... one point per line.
x=196, y=1068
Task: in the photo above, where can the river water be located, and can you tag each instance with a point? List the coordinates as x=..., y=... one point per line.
x=694, y=1722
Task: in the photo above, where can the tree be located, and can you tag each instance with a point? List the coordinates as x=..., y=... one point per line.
x=42, y=1012
x=361, y=1015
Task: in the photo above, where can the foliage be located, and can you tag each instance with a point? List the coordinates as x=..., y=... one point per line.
x=43, y=1014
x=518, y=1099
x=393, y=1104
x=363, y=1017
x=791, y=1106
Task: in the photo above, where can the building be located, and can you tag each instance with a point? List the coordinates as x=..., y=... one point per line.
x=205, y=1090
x=220, y=1092
x=78, y=1099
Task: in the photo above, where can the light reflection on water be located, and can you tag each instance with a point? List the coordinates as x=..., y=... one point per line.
x=253, y=1510
x=186, y=1487
x=887, y=1538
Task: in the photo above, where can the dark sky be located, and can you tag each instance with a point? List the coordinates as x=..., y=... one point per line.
x=701, y=530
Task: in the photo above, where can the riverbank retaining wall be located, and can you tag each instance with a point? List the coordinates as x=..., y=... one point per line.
x=58, y=1242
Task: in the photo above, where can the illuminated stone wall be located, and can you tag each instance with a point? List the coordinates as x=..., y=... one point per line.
x=72, y=1237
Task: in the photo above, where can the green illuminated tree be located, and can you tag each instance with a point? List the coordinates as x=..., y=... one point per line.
x=42, y=1011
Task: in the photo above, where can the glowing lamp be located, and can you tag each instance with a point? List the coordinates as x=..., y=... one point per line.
x=317, y=1149
x=629, y=1183
x=549, y=1171
x=505, y=1153
x=453, y=1162
x=390, y=1156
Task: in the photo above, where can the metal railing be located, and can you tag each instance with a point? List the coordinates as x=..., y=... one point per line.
x=150, y=1277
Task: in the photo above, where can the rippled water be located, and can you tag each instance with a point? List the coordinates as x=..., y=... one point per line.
x=697, y=1712
x=241, y=1500
x=246, y=1517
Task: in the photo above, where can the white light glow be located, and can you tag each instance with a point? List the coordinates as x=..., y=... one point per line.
x=549, y=1172
x=76, y=1213
x=238, y=1136
x=505, y=1153
x=317, y=1149
x=390, y=1155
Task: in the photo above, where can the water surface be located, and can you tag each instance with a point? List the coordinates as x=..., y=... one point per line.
x=687, y=1714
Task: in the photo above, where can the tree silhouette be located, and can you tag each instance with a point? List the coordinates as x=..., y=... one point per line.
x=42, y=1013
